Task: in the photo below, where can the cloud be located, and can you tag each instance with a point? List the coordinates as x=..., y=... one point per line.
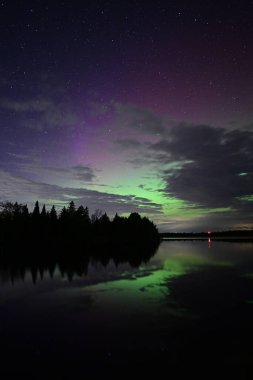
x=77, y=172
x=212, y=221
x=19, y=156
x=82, y=173
x=212, y=160
x=138, y=118
x=127, y=144
x=16, y=188
x=41, y=113
x=129, y=116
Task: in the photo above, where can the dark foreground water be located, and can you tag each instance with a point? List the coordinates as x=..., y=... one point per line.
x=188, y=310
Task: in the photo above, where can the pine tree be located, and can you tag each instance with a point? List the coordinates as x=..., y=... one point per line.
x=63, y=214
x=71, y=209
x=53, y=214
x=82, y=215
x=116, y=218
x=87, y=215
x=104, y=219
x=36, y=211
x=43, y=212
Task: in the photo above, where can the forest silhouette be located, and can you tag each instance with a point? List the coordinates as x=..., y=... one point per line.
x=40, y=240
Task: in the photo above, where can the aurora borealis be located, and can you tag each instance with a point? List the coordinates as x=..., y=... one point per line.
x=130, y=106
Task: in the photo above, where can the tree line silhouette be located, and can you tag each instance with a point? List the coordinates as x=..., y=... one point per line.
x=72, y=233
x=43, y=240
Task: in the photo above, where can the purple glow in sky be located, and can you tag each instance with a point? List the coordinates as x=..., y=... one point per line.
x=127, y=106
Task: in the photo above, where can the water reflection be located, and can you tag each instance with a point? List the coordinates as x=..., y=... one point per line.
x=17, y=266
x=186, y=303
x=173, y=258
x=216, y=294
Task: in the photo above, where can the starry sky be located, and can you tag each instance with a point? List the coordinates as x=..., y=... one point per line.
x=130, y=106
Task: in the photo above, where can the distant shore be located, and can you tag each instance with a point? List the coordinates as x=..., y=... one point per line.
x=221, y=238
x=242, y=235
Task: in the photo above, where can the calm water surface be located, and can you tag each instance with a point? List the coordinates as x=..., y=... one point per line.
x=190, y=307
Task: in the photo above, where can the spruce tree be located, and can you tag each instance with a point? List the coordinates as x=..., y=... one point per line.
x=71, y=209
x=53, y=214
x=36, y=211
x=82, y=215
x=63, y=214
x=87, y=215
x=43, y=212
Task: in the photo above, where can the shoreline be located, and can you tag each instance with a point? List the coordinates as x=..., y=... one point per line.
x=220, y=238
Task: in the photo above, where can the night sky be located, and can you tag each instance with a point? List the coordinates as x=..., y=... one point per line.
x=130, y=106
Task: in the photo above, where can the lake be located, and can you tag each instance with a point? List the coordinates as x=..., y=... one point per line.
x=189, y=309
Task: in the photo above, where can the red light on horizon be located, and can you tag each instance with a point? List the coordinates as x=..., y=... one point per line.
x=209, y=232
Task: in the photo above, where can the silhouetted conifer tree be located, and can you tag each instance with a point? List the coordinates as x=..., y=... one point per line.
x=80, y=212
x=116, y=218
x=36, y=211
x=72, y=226
x=104, y=219
x=53, y=214
x=71, y=209
x=86, y=215
x=63, y=214
x=82, y=215
x=43, y=213
x=119, y=226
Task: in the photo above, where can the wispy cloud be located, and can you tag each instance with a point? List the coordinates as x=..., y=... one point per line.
x=41, y=113
x=131, y=116
x=82, y=173
x=18, y=188
x=139, y=118
x=78, y=172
